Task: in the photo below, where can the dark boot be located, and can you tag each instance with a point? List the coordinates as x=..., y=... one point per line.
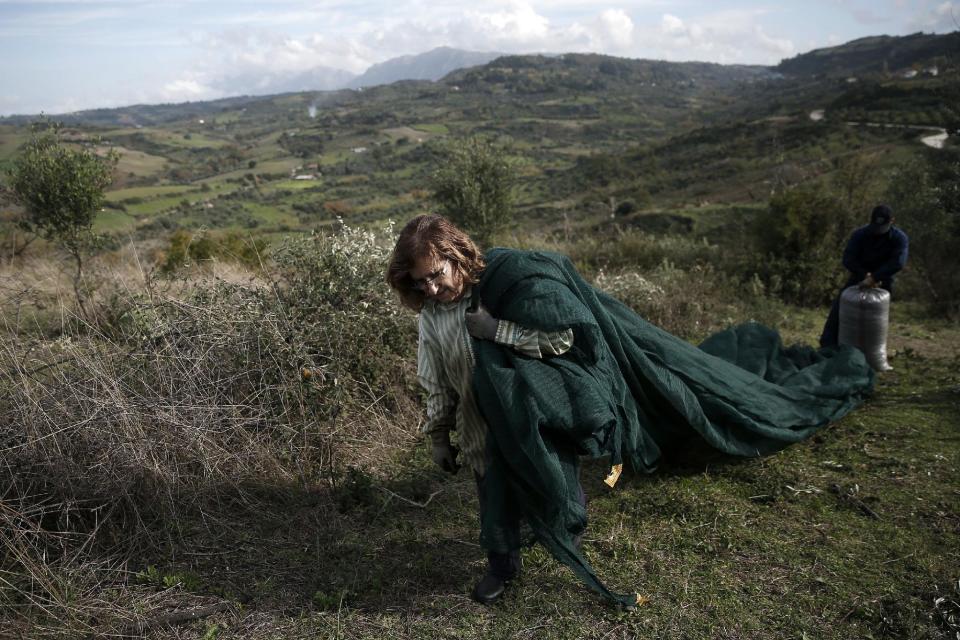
x=503, y=567
x=489, y=589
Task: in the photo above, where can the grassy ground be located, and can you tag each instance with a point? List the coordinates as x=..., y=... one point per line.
x=852, y=534
x=112, y=221
x=139, y=163
x=271, y=215
x=155, y=205
x=11, y=139
x=293, y=185
x=434, y=128
x=148, y=192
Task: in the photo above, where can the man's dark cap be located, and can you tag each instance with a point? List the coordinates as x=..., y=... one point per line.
x=881, y=216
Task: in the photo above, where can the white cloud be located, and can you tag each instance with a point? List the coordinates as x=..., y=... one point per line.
x=519, y=24
x=246, y=49
x=943, y=17
x=615, y=28
x=513, y=27
x=187, y=89
x=735, y=36
x=672, y=25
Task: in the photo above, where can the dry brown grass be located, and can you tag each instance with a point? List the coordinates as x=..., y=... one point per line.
x=166, y=403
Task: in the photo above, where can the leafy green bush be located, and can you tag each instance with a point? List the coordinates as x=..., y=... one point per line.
x=799, y=239
x=185, y=248
x=332, y=289
x=177, y=252
x=473, y=188
x=925, y=197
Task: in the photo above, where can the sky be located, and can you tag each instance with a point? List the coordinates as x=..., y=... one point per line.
x=67, y=55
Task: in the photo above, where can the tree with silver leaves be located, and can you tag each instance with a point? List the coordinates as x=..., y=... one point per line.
x=61, y=188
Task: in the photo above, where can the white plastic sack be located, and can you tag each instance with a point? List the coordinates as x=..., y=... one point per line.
x=864, y=319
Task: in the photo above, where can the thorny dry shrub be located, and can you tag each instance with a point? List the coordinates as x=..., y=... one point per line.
x=50, y=587
x=679, y=283
x=118, y=430
x=691, y=303
x=635, y=249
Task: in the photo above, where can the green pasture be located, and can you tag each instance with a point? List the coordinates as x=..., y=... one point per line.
x=294, y=185
x=337, y=156
x=410, y=133
x=148, y=192
x=266, y=151
x=196, y=140
x=435, y=128
x=380, y=203
x=576, y=99
x=113, y=221
x=179, y=139
x=11, y=138
x=139, y=163
x=407, y=171
x=284, y=165
x=272, y=215
x=574, y=150
x=227, y=117
x=565, y=123
x=171, y=137
x=353, y=179
x=155, y=205
x=238, y=215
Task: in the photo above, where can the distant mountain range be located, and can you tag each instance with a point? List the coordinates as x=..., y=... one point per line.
x=880, y=55
x=431, y=65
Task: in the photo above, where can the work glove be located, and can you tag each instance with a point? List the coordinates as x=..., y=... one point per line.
x=480, y=324
x=869, y=282
x=444, y=453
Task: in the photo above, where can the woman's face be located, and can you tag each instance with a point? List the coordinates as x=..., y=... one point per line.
x=438, y=278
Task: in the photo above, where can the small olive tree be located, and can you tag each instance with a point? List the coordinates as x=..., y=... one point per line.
x=474, y=188
x=60, y=188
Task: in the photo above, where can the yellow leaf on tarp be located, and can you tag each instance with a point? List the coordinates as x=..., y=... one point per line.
x=614, y=475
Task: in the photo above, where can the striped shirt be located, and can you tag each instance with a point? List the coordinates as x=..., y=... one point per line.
x=445, y=369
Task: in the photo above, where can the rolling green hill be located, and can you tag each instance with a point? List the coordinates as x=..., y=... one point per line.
x=588, y=131
x=877, y=55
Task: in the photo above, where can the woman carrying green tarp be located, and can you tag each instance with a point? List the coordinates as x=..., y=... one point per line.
x=533, y=367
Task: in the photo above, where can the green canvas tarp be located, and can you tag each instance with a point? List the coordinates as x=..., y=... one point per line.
x=627, y=390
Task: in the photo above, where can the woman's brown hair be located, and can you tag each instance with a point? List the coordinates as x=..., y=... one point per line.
x=431, y=235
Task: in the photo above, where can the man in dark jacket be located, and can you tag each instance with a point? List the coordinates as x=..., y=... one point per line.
x=873, y=256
